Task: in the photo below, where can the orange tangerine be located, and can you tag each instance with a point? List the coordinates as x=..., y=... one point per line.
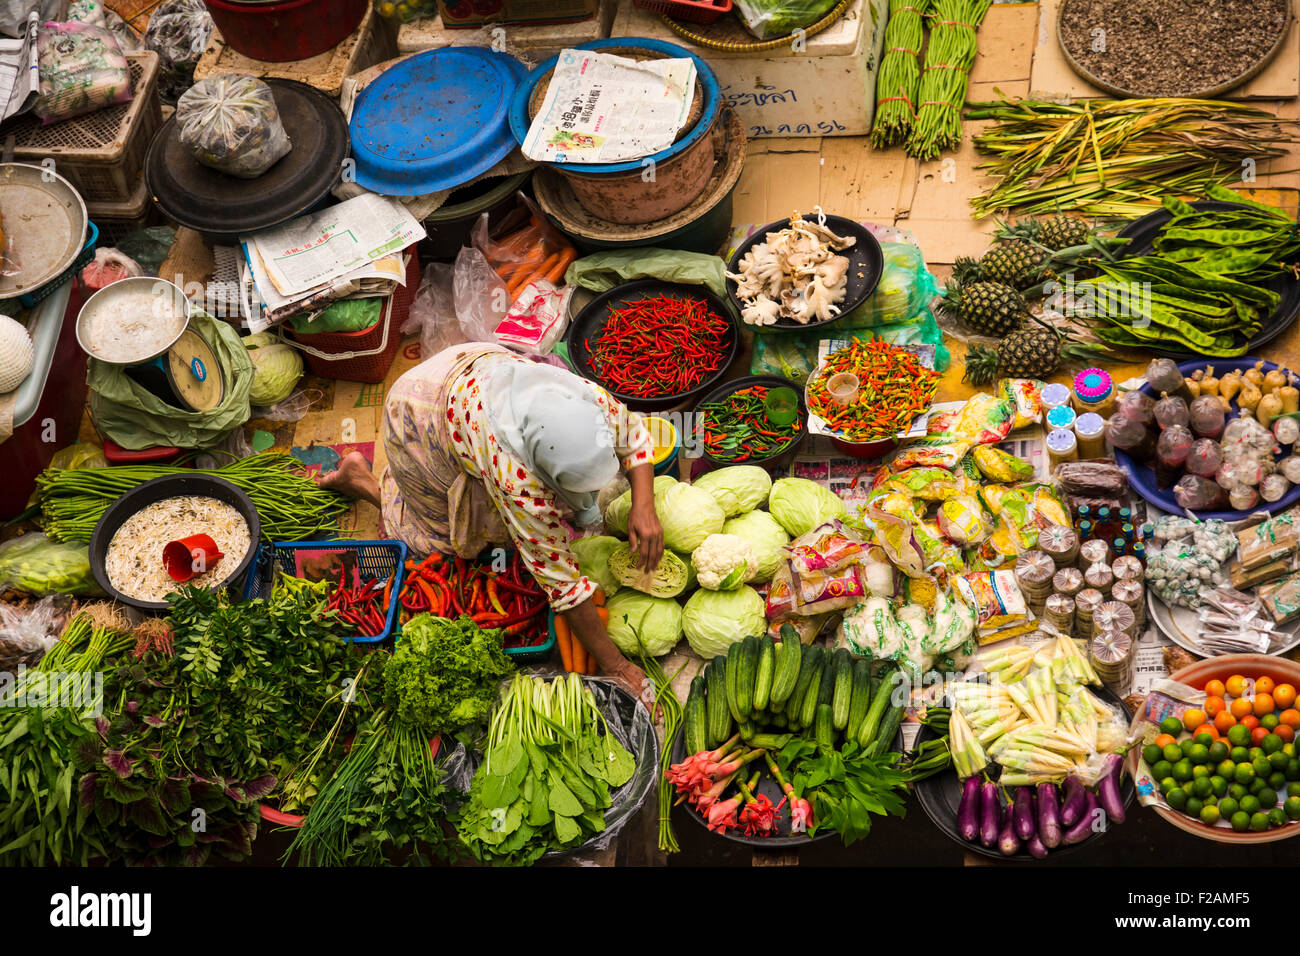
x=1206, y=728
x=1215, y=688
x=1284, y=695
x=1264, y=685
x=1285, y=731
x=1214, y=705
x=1257, y=736
x=1235, y=685
x=1250, y=721
x=1290, y=718
x=1239, y=708
x=1263, y=704
x=1165, y=740
x=1193, y=717
x=1223, y=720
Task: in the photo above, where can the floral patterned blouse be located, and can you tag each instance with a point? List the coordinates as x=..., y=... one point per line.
x=533, y=514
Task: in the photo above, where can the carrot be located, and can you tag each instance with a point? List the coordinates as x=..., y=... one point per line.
x=598, y=596
x=564, y=637
x=603, y=613
x=579, y=656
x=555, y=274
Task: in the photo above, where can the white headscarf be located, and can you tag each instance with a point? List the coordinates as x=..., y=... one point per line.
x=548, y=419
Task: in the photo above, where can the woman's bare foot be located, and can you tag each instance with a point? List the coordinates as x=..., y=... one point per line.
x=352, y=478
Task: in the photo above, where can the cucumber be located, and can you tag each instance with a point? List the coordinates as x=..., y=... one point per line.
x=843, y=668
x=693, y=723
x=787, y=668
x=766, y=671
x=808, y=669
x=778, y=721
x=734, y=654
x=823, y=729
x=813, y=696
x=718, y=719
x=888, y=728
x=861, y=697
x=747, y=677
x=879, y=704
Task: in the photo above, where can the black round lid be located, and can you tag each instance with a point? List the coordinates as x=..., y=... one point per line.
x=226, y=207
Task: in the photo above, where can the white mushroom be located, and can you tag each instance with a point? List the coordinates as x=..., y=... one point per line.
x=761, y=311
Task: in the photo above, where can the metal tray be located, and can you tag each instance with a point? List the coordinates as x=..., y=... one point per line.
x=117, y=290
x=1142, y=233
x=1179, y=623
x=45, y=218
x=940, y=796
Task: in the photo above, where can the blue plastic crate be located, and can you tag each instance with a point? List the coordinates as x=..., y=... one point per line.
x=375, y=559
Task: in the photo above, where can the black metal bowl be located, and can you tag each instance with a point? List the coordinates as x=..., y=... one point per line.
x=866, y=266
x=782, y=457
x=171, y=486
x=592, y=319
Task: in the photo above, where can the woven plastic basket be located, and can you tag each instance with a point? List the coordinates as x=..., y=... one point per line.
x=101, y=153
x=364, y=356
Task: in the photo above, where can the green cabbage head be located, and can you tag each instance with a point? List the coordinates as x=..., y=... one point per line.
x=801, y=505
x=737, y=489
x=767, y=539
x=641, y=623
x=593, y=561
x=276, y=369
x=616, y=511
x=714, y=620
x=688, y=515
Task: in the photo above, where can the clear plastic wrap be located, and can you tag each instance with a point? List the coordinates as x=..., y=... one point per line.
x=1163, y=376
x=1206, y=416
x=1274, y=487
x=82, y=69
x=1171, y=410
x=1286, y=430
x=1172, y=448
x=1242, y=497
x=231, y=123
x=1131, y=436
x=1196, y=493
x=178, y=32
x=1136, y=406
x=38, y=566
x=27, y=633
x=108, y=267
x=1290, y=467
x=1205, y=458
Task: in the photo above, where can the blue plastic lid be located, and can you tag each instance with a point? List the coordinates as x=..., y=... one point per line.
x=434, y=121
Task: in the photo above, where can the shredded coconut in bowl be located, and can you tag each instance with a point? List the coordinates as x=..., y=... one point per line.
x=131, y=326
x=134, y=561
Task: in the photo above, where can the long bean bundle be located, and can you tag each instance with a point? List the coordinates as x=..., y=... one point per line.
x=1118, y=158
x=948, y=60
x=899, y=77
x=289, y=503
x=670, y=707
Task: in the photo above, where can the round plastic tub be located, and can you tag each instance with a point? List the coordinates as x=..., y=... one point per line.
x=292, y=30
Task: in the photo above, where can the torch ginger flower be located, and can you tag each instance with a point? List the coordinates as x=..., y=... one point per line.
x=758, y=816
x=801, y=811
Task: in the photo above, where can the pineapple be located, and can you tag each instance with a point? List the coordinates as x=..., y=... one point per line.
x=988, y=308
x=1011, y=261
x=1034, y=352
x=1052, y=233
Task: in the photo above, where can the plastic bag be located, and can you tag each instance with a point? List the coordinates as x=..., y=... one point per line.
x=433, y=311
x=602, y=271
x=537, y=319
x=479, y=295
x=27, y=634
x=109, y=266
x=178, y=32
x=346, y=315
x=90, y=12
x=148, y=247
x=903, y=295
x=535, y=251
x=15, y=13
x=82, y=69
x=793, y=355
x=769, y=19
x=231, y=124
x=35, y=564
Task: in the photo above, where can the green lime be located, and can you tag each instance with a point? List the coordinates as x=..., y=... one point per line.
x=1277, y=781
x=1201, y=787
x=1151, y=753
x=1288, y=748
x=1225, y=769
x=1259, y=821
x=1240, y=821
x=1293, y=789
x=1277, y=817
x=1200, y=770
x=1186, y=746
x=1218, y=752
x=1219, y=786
x=1278, y=761
x=1239, y=735
x=1255, y=753
x=1193, y=807
x=1237, y=791
x=1257, y=786
x=1199, y=754
x=1267, y=798
x=1244, y=774
x=1239, y=755
x=1292, y=807
x=1161, y=769
x=1210, y=815
x=1271, y=744
x=1173, y=753
x=1228, y=806
x=1204, y=738
x=1249, y=803
x=1262, y=767
x=1167, y=785
x=1176, y=798
x=1172, y=726
x=1293, y=769
x=1183, y=770
x=1269, y=722
x=1209, y=800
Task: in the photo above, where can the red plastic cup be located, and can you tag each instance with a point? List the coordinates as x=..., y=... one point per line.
x=189, y=557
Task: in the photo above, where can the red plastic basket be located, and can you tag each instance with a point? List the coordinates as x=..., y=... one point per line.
x=290, y=30
x=692, y=11
x=364, y=356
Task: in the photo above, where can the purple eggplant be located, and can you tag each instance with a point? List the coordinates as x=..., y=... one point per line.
x=1049, y=816
x=1008, y=842
x=1074, y=802
x=968, y=811
x=1023, y=813
x=1083, y=829
x=1108, y=790
x=990, y=813
x=1036, y=848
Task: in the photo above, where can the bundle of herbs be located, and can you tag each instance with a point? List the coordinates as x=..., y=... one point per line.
x=1118, y=158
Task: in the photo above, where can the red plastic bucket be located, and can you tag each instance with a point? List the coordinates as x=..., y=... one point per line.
x=292, y=30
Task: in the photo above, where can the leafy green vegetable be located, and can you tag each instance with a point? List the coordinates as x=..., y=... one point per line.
x=801, y=505
x=714, y=620
x=593, y=560
x=444, y=674
x=845, y=786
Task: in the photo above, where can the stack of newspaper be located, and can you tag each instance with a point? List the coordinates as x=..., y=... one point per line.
x=350, y=250
x=20, y=70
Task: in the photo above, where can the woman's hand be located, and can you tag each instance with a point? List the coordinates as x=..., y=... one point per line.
x=633, y=680
x=645, y=534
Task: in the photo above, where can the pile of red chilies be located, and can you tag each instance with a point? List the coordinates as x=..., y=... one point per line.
x=364, y=606
x=661, y=346
x=449, y=587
